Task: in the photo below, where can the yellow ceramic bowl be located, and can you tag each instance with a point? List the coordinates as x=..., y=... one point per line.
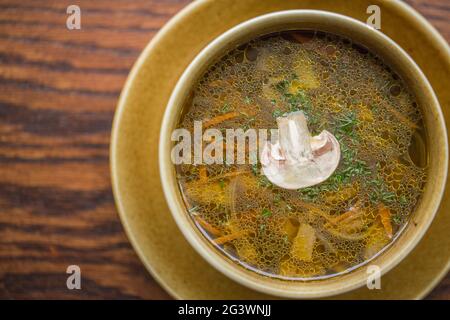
x=395, y=57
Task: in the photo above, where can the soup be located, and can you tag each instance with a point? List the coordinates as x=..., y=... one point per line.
x=320, y=229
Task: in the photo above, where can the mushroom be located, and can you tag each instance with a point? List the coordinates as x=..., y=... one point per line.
x=298, y=160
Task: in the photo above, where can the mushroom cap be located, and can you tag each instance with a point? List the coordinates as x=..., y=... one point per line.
x=297, y=159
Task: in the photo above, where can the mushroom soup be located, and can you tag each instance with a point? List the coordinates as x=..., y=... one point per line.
x=341, y=179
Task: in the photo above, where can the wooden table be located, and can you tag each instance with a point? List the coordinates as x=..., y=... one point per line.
x=58, y=92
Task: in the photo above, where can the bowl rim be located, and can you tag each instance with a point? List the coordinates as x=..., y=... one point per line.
x=166, y=167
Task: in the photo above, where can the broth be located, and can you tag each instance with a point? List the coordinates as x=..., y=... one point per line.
x=341, y=223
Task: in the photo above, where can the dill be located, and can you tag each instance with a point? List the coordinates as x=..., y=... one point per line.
x=266, y=213
x=262, y=227
x=310, y=193
x=264, y=182
x=397, y=219
x=345, y=125
x=277, y=113
x=225, y=107
x=379, y=192
x=282, y=86
x=403, y=200
x=276, y=199
x=350, y=168
x=356, y=168
x=299, y=101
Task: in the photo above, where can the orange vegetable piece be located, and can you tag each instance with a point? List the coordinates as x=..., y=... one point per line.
x=303, y=245
x=220, y=119
x=229, y=237
x=401, y=117
x=385, y=217
x=205, y=225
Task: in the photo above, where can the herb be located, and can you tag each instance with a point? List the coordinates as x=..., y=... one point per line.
x=397, y=219
x=282, y=86
x=277, y=113
x=247, y=100
x=350, y=168
x=266, y=213
x=264, y=182
x=249, y=121
x=225, y=108
x=276, y=199
x=380, y=192
x=356, y=168
x=299, y=101
x=310, y=193
x=221, y=184
x=403, y=201
x=345, y=125
x=262, y=227
x=348, y=154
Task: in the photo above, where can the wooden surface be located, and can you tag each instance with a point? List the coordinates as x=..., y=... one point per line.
x=58, y=92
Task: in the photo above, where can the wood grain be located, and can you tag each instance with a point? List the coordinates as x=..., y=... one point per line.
x=58, y=92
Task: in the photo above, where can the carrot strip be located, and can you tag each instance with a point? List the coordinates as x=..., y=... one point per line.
x=344, y=216
x=219, y=119
x=228, y=237
x=401, y=117
x=348, y=216
x=385, y=216
x=205, y=225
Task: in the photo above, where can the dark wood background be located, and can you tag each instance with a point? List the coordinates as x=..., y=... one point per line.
x=58, y=92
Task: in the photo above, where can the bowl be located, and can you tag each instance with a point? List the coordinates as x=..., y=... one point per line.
x=393, y=56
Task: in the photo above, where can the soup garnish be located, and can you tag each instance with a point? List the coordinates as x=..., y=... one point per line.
x=296, y=159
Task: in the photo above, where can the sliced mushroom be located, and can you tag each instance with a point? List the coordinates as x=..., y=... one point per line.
x=298, y=160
